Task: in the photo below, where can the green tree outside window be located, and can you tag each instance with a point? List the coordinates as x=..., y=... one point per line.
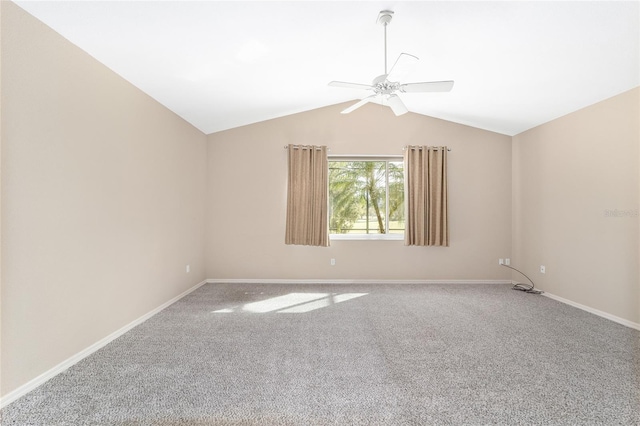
x=366, y=197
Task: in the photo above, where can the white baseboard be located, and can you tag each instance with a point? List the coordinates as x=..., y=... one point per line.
x=34, y=383
x=364, y=281
x=603, y=314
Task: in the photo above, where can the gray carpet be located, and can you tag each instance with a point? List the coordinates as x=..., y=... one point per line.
x=398, y=355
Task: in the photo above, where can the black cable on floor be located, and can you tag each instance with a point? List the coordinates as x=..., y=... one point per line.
x=523, y=286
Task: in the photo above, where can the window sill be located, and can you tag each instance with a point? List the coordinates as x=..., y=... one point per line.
x=360, y=237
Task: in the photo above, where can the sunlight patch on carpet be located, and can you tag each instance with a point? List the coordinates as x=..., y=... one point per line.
x=293, y=303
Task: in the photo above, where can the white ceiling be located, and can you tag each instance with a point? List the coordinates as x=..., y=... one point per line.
x=221, y=65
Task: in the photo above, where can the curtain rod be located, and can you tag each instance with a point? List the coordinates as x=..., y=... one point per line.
x=412, y=147
x=303, y=147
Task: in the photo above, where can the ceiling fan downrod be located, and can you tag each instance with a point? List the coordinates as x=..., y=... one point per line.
x=384, y=18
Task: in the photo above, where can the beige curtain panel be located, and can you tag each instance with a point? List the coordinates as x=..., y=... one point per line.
x=307, y=196
x=425, y=171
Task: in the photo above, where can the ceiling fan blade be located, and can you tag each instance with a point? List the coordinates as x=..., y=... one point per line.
x=396, y=105
x=401, y=68
x=358, y=104
x=350, y=85
x=431, y=86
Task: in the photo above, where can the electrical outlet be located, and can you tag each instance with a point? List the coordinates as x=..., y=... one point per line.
x=500, y=261
x=333, y=262
x=188, y=268
x=507, y=261
x=543, y=270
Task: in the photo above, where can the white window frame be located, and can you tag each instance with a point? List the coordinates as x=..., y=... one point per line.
x=373, y=237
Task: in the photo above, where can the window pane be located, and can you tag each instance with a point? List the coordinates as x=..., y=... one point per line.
x=396, y=197
x=345, y=203
x=359, y=193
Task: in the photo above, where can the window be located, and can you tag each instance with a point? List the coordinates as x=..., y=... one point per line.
x=366, y=198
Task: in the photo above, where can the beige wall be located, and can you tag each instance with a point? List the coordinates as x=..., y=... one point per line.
x=247, y=169
x=566, y=175
x=102, y=200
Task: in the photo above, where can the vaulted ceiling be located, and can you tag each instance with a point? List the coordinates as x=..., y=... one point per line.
x=221, y=65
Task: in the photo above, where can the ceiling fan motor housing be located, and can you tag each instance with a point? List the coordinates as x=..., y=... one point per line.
x=382, y=86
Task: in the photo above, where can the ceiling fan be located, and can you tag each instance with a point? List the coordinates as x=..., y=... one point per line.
x=386, y=86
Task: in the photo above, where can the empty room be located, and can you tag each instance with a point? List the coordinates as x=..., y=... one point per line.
x=320, y=213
